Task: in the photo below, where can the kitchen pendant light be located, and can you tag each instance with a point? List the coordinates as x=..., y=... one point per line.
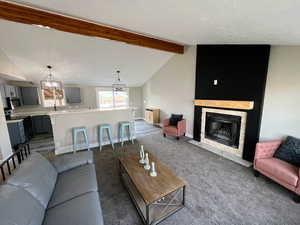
x=50, y=83
x=118, y=85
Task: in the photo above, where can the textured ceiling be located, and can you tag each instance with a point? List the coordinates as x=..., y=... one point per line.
x=193, y=21
x=76, y=59
x=92, y=61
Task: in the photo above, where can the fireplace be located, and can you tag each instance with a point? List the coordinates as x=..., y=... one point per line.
x=223, y=128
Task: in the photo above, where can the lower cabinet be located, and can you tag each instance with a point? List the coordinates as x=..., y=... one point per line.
x=41, y=124
x=16, y=133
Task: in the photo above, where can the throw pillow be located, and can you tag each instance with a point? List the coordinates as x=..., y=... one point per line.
x=289, y=151
x=175, y=118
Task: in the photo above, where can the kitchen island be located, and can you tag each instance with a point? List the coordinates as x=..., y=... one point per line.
x=63, y=122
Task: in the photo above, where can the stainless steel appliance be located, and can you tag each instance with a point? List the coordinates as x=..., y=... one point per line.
x=12, y=102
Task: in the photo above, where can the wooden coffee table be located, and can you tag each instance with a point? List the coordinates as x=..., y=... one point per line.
x=155, y=198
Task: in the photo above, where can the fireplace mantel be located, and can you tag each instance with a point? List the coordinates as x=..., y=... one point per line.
x=246, y=105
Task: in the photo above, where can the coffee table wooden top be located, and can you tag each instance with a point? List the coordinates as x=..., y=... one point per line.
x=150, y=188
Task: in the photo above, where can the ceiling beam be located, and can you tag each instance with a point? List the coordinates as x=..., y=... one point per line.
x=33, y=16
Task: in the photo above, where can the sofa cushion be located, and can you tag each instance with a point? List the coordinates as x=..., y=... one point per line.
x=69, y=161
x=174, y=119
x=18, y=207
x=37, y=176
x=84, y=209
x=289, y=151
x=279, y=169
x=73, y=183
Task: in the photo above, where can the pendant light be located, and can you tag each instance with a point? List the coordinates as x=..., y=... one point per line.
x=49, y=82
x=118, y=85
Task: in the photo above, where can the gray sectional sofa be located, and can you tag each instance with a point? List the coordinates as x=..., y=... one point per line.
x=62, y=191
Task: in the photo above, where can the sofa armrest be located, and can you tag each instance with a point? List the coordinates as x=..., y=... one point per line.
x=266, y=149
x=166, y=122
x=181, y=126
x=70, y=161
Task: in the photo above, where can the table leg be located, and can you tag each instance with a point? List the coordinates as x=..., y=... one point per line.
x=183, y=196
x=147, y=215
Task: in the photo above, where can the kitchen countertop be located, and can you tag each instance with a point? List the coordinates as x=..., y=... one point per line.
x=62, y=112
x=14, y=121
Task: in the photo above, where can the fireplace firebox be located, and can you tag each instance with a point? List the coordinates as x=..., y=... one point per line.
x=223, y=128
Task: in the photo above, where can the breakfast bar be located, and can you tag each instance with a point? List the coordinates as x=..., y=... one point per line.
x=64, y=121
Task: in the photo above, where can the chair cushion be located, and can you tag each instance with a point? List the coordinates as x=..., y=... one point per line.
x=18, y=207
x=37, y=176
x=171, y=130
x=289, y=151
x=73, y=183
x=280, y=169
x=174, y=119
x=82, y=210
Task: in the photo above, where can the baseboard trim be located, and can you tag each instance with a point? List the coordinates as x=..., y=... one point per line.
x=189, y=135
x=139, y=118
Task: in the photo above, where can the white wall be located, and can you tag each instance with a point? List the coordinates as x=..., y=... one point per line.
x=281, y=114
x=5, y=146
x=6, y=65
x=136, y=100
x=172, y=88
x=63, y=123
x=8, y=70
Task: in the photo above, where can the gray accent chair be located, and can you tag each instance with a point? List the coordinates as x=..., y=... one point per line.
x=62, y=191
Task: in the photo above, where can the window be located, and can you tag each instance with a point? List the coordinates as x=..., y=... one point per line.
x=50, y=97
x=109, y=99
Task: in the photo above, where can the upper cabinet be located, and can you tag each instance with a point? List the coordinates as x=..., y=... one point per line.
x=29, y=95
x=10, y=91
x=72, y=95
x=3, y=96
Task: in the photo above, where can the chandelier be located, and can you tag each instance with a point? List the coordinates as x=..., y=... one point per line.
x=50, y=83
x=118, y=85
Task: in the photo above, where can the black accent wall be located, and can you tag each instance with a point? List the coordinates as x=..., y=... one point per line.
x=241, y=71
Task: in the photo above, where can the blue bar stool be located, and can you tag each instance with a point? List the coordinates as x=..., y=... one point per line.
x=76, y=132
x=108, y=128
x=122, y=128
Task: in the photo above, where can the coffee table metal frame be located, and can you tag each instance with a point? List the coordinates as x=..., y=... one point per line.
x=146, y=218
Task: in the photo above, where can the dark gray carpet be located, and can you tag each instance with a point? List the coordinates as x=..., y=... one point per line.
x=219, y=191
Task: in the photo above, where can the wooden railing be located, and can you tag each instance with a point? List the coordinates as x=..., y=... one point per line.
x=22, y=152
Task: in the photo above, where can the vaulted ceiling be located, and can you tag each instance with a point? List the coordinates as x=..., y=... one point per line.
x=76, y=59
x=193, y=21
x=92, y=61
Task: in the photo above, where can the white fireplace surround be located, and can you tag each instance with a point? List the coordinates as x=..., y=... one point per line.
x=236, y=151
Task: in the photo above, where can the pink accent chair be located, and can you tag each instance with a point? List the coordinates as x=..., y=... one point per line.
x=173, y=130
x=280, y=171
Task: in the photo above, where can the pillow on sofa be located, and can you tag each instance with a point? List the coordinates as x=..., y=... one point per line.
x=289, y=151
x=174, y=119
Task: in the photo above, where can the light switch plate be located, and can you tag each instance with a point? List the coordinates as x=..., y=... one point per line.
x=215, y=82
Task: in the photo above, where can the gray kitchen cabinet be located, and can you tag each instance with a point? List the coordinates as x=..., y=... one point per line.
x=41, y=125
x=16, y=132
x=3, y=96
x=29, y=95
x=10, y=91
x=72, y=95
x=18, y=92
